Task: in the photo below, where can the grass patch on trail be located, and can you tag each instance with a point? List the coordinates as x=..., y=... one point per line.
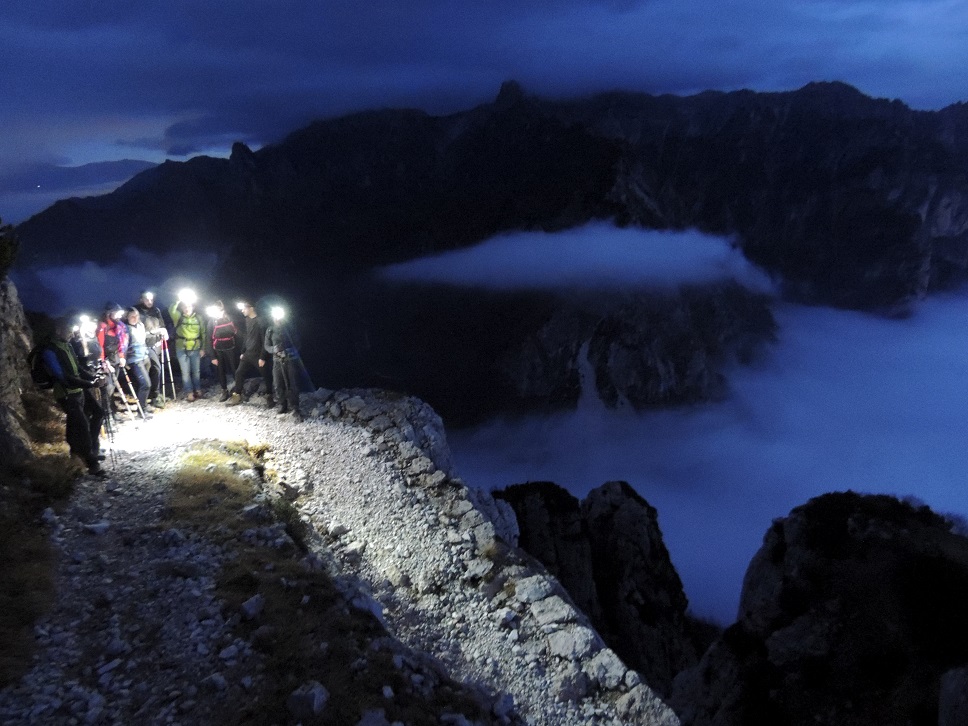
x=305, y=631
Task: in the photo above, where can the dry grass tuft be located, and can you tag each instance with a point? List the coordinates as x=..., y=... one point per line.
x=44, y=421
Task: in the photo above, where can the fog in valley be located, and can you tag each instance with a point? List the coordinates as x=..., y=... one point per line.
x=843, y=400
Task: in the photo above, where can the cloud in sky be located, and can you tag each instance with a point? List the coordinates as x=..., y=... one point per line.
x=82, y=81
x=843, y=401
x=597, y=255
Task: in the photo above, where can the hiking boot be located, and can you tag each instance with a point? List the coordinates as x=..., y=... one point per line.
x=270, y=402
x=198, y=395
x=283, y=411
x=95, y=469
x=225, y=397
x=297, y=416
x=234, y=400
x=190, y=397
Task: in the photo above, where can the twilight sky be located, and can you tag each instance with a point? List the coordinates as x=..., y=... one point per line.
x=84, y=81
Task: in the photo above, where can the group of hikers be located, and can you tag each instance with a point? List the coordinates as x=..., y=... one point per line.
x=100, y=369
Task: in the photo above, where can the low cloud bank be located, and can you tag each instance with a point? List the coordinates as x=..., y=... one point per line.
x=597, y=255
x=844, y=401
x=89, y=285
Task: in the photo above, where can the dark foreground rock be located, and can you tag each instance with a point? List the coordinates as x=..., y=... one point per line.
x=15, y=343
x=852, y=612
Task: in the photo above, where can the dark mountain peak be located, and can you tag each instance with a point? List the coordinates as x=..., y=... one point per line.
x=511, y=94
x=240, y=152
x=835, y=98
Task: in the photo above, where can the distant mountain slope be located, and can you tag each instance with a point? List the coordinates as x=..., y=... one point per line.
x=854, y=201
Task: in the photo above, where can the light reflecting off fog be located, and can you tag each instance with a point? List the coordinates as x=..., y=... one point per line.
x=595, y=255
x=843, y=401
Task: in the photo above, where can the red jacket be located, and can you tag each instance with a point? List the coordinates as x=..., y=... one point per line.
x=112, y=336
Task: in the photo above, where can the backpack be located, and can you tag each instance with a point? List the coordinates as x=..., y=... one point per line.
x=38, y=371
x=223, y=336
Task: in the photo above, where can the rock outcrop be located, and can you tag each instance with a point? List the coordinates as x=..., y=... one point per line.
x=473, y=354
x=15, y=344
x=607, y=551
x=852, y=612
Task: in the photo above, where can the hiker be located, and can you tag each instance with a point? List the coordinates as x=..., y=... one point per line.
x=156, y=333
x=112, y=337
x=254, y=357
x=188, y=343
x=221, y=346
x=69, y=383
x=279, y=343
x=88, y=353
x=137, y=361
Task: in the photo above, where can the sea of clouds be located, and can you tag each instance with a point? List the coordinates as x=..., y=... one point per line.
x=843, y=400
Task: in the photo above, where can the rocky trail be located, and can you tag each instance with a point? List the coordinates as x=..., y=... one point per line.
x=406, y=598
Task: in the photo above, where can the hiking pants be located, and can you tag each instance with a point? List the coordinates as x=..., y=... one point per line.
x=190, y=363
x=78, y=432
x=225, y=370
x=154, y=371
x=248, y=368
x=285, y=381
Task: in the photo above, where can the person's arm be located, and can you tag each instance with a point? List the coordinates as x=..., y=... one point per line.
x=269, y=341
x=57, y=372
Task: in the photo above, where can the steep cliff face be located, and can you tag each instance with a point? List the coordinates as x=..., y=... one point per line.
x=15, y=344
x=474, y=353
x=851, y=613
x=608, y=552
x=854, y=201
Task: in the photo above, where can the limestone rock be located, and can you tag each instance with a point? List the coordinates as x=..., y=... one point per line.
x=609, y=555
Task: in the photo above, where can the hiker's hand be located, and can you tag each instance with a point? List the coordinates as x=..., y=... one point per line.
x=214, y=361
x=261, y=363
x=163, y=332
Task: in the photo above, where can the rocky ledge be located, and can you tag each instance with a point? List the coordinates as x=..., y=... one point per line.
x=454, y=624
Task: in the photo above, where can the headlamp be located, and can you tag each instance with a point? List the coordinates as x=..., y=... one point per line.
x=213, y=311
x=187, y=295
x=240, y=306
x=278, y=313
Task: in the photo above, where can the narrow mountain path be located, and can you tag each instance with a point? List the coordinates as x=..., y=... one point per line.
x=140, y=631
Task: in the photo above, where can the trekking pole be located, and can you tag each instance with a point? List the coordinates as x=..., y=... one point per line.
x=109, y=431
x=161, y=373
x=124, y=397
x=171, y=376
x=137, y=401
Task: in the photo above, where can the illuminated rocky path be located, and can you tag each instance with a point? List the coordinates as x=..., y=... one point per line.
x=400, y=535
